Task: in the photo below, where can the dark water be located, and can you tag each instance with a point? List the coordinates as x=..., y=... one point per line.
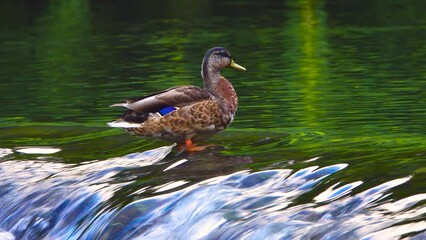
x=329, y=141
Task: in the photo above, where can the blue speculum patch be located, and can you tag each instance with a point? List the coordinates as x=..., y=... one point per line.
x=166, y=110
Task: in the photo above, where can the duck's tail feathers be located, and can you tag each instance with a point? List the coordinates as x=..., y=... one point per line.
x=123, y=124
x=118, y=105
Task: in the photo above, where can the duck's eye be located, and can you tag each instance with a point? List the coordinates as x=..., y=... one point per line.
x=222, y=54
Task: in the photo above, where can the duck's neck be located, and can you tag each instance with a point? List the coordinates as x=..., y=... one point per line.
x=210, y=75
x=219, y=86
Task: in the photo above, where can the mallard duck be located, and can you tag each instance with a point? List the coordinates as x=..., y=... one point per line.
x=186, y=114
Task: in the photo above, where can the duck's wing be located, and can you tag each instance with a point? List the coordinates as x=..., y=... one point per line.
x=175, y=97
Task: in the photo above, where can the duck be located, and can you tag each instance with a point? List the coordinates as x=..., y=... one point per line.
x=187, y=114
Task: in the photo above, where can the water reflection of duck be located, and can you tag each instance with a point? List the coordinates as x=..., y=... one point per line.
x=184, y=114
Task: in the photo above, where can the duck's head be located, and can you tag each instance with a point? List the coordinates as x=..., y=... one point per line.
x=217, y=58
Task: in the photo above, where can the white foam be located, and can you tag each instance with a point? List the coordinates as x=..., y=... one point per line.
x=5, y=152
x=37, y=150
x=175, y=164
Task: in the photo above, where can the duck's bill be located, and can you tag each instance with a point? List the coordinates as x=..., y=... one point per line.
x=236, y=66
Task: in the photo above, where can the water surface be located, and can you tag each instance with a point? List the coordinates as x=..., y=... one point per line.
x=328, y=142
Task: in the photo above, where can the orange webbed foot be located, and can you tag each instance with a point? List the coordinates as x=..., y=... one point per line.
x=191, y=147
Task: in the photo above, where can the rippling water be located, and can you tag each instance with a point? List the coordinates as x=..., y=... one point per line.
x=328, y=142
x=63, y=201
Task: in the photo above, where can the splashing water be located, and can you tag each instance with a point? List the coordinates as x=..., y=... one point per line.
x=46, y=200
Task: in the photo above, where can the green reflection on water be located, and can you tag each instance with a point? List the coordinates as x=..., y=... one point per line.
x=308, y=28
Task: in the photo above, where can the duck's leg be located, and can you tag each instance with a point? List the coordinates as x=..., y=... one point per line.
x=190, y=147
